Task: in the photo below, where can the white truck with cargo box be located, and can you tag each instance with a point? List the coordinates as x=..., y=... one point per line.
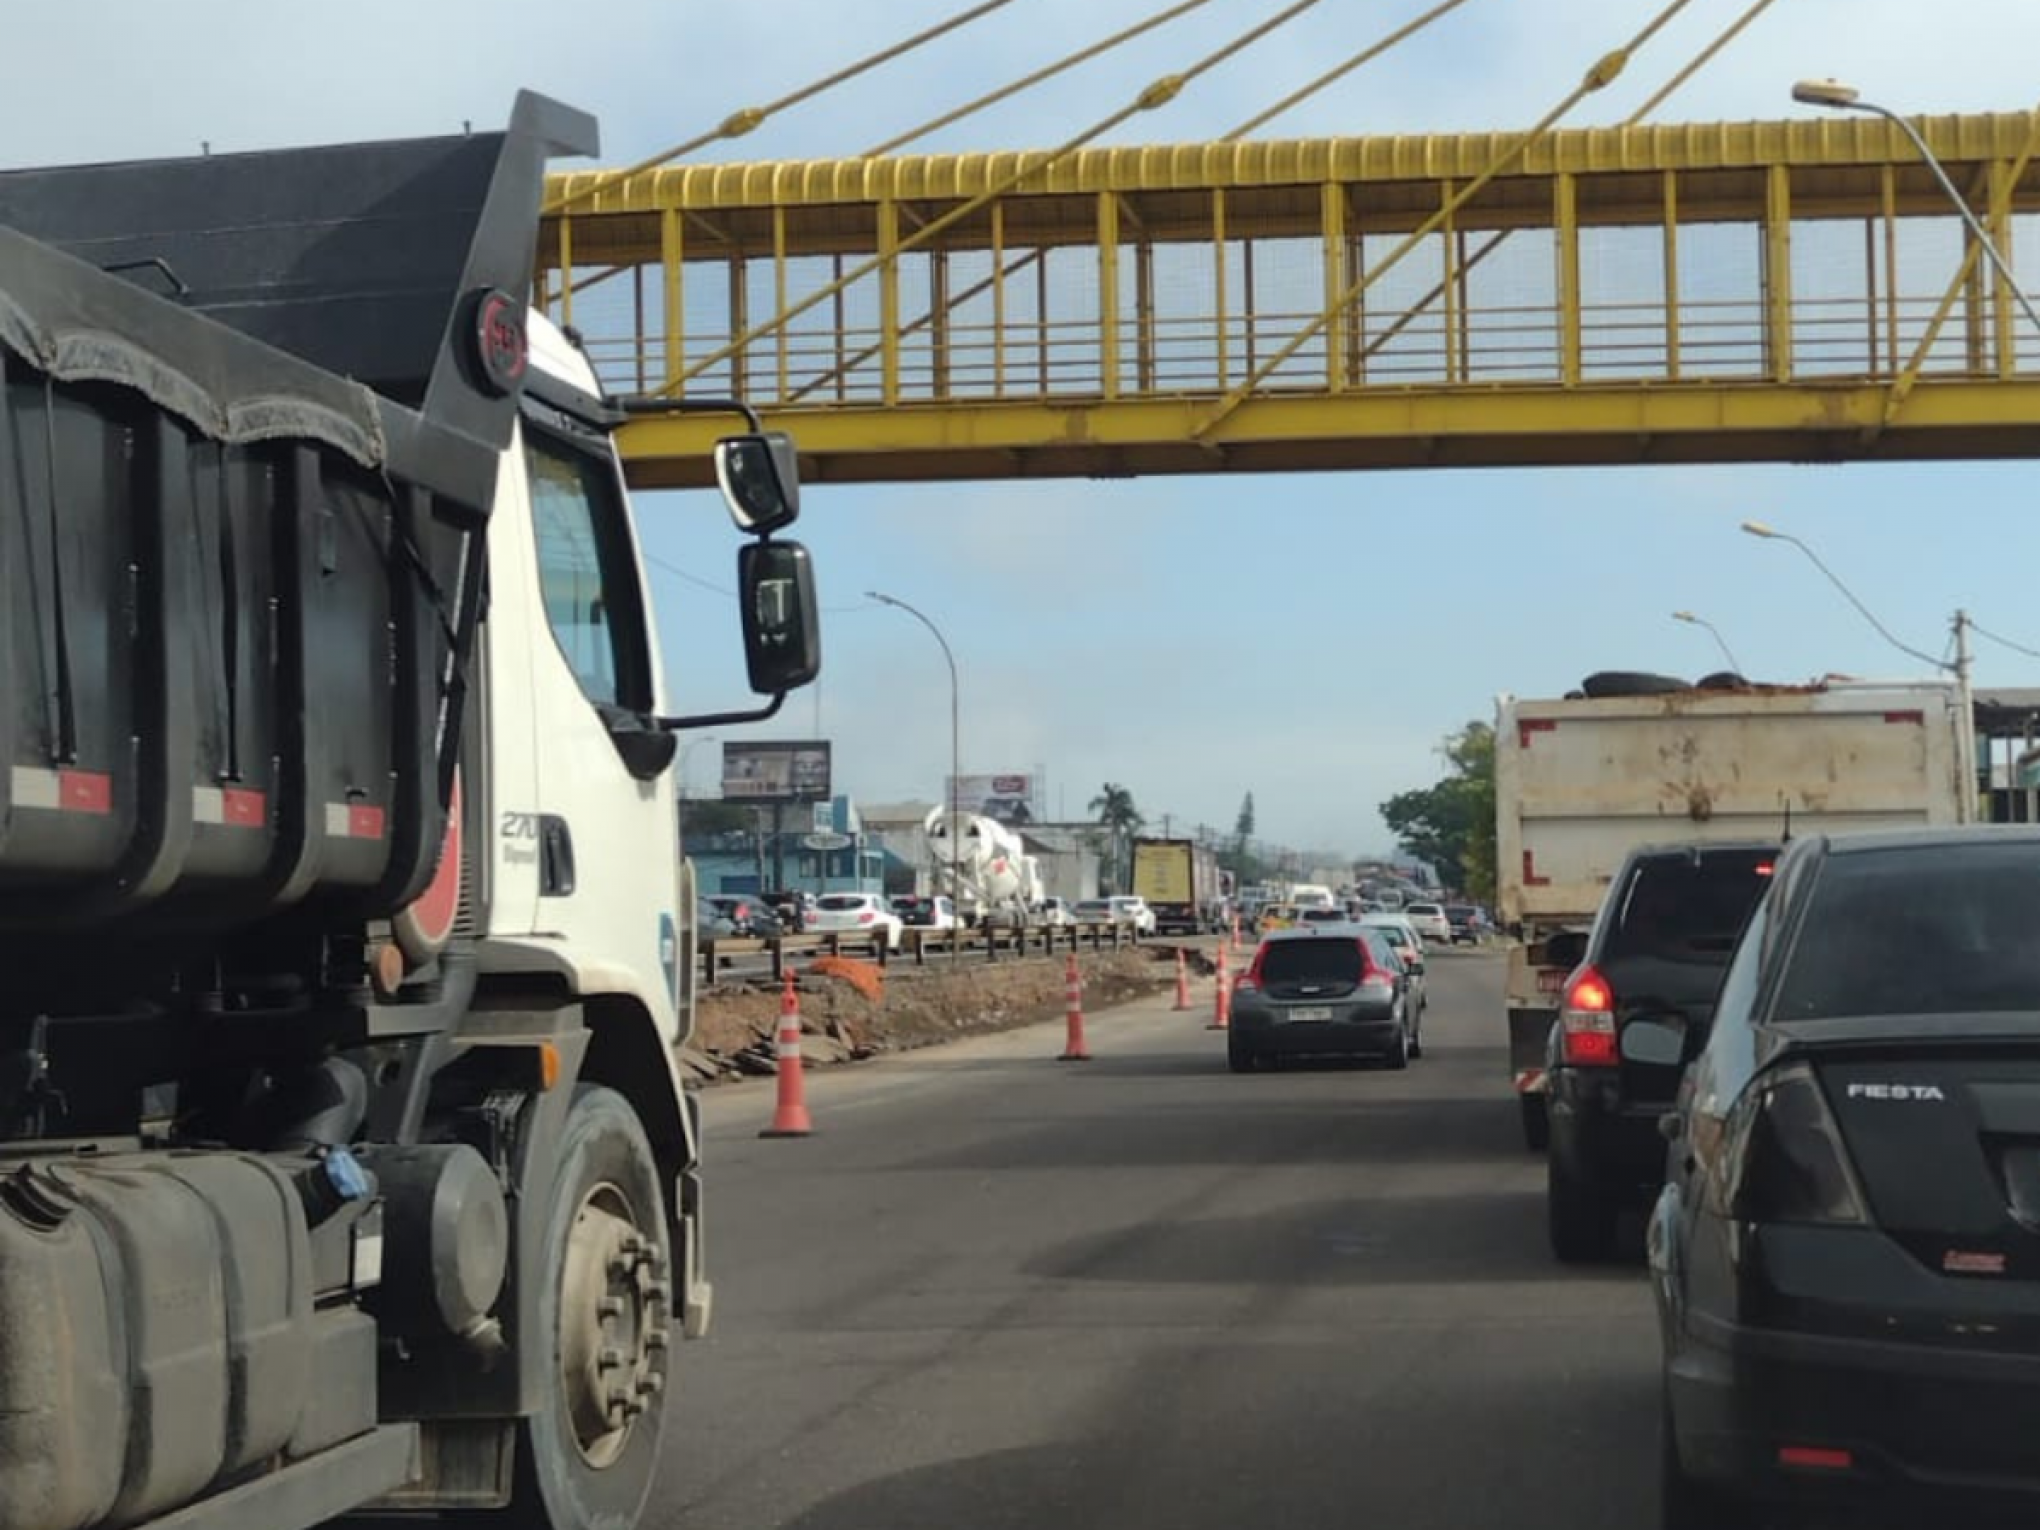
x=1581, y=782
x=343, y=1162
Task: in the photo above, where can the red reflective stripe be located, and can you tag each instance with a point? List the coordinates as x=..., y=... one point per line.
x=1817, y=1456
x=1530, y=876
x=243, y=808
x=1534, y=725
x=1905, y=717
x=84, y=791
x=364, y=822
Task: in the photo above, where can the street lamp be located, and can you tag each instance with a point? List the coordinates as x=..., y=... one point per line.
x=955, y=746
x=1839, y=97
x=1959, y=668
x=1714, y=631
x=685, y=750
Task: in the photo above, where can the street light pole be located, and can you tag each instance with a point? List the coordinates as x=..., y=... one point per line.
x=1713, y=631
x=1965, y=733
x=1839, y=97
x=685, y=750
x=955, y=747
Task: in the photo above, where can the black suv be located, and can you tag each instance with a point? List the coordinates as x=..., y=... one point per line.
x=1660, y=942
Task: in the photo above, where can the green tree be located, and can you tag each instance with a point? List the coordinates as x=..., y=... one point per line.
x=1114, y=807
x=1451, y=823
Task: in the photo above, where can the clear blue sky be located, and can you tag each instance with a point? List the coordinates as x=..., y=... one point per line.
x=1308, y=637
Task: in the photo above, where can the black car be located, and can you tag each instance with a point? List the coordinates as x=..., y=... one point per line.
x=1465, y=921
x=1846, y=1252
x=747, y=916
x=1322, y=989
x=1660, y=941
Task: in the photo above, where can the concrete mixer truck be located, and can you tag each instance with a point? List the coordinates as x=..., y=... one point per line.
x=988, y=870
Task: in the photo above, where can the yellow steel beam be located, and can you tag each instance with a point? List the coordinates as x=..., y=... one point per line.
x=1526, y=427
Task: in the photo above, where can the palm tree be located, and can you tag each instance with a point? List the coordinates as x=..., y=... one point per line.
x=1122, y=820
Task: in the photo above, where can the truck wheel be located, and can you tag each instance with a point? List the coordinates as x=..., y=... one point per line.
x=1536, y=1122
x=1579, y=1215
x=585, y=1459
x=1629, y=682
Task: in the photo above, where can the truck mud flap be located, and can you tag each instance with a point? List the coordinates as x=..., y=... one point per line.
x=1529, y=1047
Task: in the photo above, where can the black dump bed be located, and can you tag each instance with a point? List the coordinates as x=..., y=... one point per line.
x=247, y=452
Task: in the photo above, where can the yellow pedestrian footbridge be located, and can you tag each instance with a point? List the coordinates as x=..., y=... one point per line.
x=1748, y=291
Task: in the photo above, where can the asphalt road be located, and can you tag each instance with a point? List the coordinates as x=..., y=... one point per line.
x=1143, y=1293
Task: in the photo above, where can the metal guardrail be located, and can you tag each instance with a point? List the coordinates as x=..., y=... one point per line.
x=918, y=946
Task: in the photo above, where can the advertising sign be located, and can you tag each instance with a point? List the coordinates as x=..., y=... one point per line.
x=1010, y=797
x=776, y=772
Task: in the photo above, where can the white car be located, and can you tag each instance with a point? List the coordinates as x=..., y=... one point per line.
x=856, y=914
x=1430, y=920
x=1127, y=909
x=1055, y=912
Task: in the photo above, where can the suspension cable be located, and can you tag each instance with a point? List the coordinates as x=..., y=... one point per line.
x=1342, y=70
x=1083, y=56
x=1501, y=237
x=1604, y=72
x=1699, y=62
x=738, y=123
x=1158, y=94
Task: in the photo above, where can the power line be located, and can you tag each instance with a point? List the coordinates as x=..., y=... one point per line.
x=2003, y=642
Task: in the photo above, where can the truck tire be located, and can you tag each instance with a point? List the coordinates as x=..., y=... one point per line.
x=1625, y=682
x=1536, y=1122
x=1579, y=1215
x=585, y=1460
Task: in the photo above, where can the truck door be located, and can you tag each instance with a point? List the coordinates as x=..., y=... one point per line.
x=597, y=839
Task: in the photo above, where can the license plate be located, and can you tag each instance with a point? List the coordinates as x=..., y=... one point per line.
x=1311, y=1012
x=1550, y=979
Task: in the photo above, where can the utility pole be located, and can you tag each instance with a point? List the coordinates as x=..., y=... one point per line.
x=1966, y=700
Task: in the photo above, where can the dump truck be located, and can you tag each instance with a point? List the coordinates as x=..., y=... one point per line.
x=344, y=1166
x=1580, y=782
x=1179, y=880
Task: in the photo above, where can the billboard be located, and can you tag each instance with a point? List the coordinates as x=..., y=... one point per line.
x=776, y=772
x=1011, y=797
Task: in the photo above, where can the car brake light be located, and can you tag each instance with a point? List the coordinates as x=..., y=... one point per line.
x=1246, y=982
x=1816, y=1458
x=1783, y=1159
x=1586, y=1020
x=866, y=917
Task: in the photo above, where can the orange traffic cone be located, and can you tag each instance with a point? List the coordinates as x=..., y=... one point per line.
x=791, y=1118
x=1074, y=1049
x=1221, y=1002
x=1182, y=980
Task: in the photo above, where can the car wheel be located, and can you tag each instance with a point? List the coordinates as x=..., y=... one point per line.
x=1399, y=1052
x=1536, y=1121
x=1240, y=1058
x=1579, y=1214
x=1416, y=1035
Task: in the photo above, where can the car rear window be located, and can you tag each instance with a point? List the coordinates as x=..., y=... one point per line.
x=1685, y=907
x=1324, y=916
x=1312, y=961
x=1922, y=930
x=837, y=902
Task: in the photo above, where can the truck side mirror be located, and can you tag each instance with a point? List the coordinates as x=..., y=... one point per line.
x=782, y=629
x=759, y=475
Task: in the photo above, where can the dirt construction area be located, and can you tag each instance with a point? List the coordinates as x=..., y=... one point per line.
x=854, y=1009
